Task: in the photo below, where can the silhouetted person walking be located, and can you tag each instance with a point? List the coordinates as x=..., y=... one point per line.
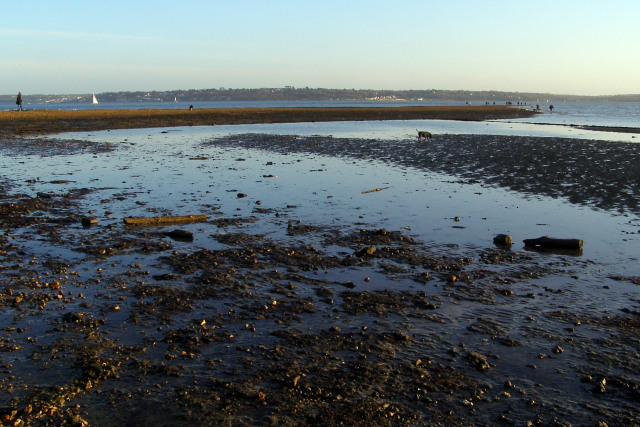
x=19, y=101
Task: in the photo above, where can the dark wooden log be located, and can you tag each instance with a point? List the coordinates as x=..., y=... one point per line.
x=546, y=242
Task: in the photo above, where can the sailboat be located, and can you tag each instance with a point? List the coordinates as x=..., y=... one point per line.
x=94, y=100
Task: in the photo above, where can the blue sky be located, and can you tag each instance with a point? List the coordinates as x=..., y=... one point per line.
x=560, y=46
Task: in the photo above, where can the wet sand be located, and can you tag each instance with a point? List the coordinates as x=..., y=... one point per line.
x=317, y=323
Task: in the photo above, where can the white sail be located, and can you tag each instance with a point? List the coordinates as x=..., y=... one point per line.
x=95, y=100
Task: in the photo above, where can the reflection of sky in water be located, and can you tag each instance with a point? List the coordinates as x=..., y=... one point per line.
x=154, y=172
x=406, y=129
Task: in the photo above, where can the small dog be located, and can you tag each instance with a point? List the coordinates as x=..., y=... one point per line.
x=423, y=134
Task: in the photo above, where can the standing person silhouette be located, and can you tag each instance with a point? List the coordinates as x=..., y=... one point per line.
x=551, y=108
x=19, y=101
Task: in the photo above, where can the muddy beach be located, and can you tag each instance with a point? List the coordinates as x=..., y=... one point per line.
x=306, y=289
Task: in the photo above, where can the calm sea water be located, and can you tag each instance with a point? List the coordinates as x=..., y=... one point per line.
x=626, y=114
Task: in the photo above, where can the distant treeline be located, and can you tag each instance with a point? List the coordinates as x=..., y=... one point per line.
x=290, y=93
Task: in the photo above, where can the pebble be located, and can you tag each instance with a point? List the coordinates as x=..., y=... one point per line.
x=601, y=386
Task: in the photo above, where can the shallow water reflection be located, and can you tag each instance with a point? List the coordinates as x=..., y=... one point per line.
x=177, y=171
x=193, y=319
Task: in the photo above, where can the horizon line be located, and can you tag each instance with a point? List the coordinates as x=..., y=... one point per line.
x=325, y=88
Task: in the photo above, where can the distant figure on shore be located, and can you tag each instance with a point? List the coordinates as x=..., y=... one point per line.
x=551, y=108
x=19, y=101
x=537, y=107
x=190, y=107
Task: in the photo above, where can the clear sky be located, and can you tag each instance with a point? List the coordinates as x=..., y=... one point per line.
x=550, y=46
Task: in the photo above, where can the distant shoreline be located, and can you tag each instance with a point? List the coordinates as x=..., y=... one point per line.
x=290, y=93
x=49, y=121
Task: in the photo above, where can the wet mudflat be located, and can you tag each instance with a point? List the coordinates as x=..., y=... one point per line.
x=334, y=280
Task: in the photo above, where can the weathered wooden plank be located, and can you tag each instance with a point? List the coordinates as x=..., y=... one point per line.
x=162, y=220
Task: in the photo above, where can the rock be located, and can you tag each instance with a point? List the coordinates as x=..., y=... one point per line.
x=509, y=342
x=89, y=221
x=368, y=251
x=601, y=386
x=182, y=235
x=503, y=240
x=72, y=317
x=242, y=195
x=166, y=276
x=478, y=361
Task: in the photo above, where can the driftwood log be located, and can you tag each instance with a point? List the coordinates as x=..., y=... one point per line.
x=546, y=242
x=374, y=190
x=162, y=220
